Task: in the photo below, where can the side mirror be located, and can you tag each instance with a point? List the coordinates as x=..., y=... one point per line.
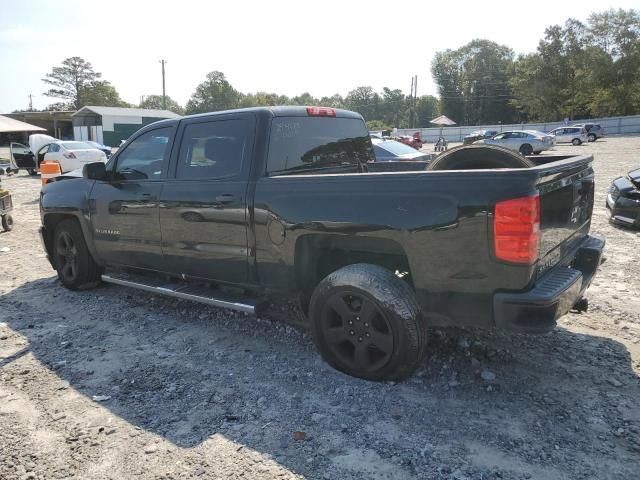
x=94, y=171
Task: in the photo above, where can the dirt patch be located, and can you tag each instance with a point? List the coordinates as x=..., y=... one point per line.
x=188, y=391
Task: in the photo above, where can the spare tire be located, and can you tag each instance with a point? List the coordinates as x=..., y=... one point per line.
x=478, y=157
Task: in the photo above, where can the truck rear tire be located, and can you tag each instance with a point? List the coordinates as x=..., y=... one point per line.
x=366, y=322
x=479, y=156
x=74, y=264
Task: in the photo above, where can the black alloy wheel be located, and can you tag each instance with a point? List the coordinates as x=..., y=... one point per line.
x=356, y=331
x=366, y=322
x=66, y=257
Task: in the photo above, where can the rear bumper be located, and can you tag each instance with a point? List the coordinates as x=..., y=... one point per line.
x=536, y=310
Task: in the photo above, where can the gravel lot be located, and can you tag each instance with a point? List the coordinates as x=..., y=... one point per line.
x=113, y=383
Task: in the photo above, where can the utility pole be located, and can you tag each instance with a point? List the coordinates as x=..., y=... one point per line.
x=164, y=94
x=411, y=104
x=30, y=103
x=415, y=100
x=413, y=96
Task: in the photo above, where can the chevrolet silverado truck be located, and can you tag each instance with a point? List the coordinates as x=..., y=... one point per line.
x=225, y=208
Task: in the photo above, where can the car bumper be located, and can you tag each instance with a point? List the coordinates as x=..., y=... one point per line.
x=624, y=211
x=554, y=294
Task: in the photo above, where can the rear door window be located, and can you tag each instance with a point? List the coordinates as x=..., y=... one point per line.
x=317, y=143
x=213, y=150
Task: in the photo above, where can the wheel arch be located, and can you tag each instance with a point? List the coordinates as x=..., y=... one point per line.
x=51, y=220
x=318, y=255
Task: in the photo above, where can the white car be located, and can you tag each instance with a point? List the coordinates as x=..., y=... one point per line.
x=523, y=141
x=69, y=154
x=573, y=135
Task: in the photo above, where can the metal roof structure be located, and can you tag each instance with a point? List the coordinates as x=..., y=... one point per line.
x=125, y=112
x=9, y=125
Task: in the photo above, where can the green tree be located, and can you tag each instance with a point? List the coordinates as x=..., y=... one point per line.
x=581, y=70
x=305, y=99
x=427, y=108
x=393, y=108
x=263, y=99
x=214, y=94
x=334, y=101
x=155, y=102
x=363, y=100
x=70, y=80
x=473, y=82
x=378, y=125
x=614, y=37
x=101, y=93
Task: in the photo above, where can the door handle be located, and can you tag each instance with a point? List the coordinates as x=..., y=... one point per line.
x=226, y=198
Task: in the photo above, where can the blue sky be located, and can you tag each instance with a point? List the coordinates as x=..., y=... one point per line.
x=282, y=46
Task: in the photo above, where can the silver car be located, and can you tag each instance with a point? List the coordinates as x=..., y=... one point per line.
x=573, y=135
x=594, y=130
x=524, y=141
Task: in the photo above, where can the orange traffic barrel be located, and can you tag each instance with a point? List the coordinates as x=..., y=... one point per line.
x=49, y=170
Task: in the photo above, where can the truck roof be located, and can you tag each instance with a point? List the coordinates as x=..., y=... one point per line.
x=278, y=111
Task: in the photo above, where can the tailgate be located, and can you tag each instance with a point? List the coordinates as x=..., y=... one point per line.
x=566, y=204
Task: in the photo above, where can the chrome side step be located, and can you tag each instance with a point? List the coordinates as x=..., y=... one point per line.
x=184, y=291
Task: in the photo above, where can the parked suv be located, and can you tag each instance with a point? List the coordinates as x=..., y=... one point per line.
x=594, y=130
x=573, y=135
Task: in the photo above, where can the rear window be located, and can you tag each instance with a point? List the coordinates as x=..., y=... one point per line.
x=303, y=143
x=76, y=145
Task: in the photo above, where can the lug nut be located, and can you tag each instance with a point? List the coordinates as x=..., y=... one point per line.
x=367, y=334
x=351, y=332
x=350, y=322
x=359, y=339
x=366, y=325
x=358, y=318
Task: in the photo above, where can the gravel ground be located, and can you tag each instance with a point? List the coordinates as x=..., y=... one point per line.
x=114, y=383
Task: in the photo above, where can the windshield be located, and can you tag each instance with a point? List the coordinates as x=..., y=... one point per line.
x=76, y=145
x=394, y=147
x=301, y=143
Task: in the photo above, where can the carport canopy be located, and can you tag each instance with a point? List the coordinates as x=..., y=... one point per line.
x=9, y=125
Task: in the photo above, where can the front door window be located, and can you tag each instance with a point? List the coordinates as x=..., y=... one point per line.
x=146, y=157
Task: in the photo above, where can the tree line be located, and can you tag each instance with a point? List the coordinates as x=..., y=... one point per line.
x=76, y=84
x=579, y=70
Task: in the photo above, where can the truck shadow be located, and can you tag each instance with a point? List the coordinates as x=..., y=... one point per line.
x=186, y=372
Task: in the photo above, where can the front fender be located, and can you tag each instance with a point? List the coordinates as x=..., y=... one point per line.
x=68, y=199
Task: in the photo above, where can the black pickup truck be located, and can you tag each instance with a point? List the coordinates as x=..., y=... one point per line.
x=226, y=207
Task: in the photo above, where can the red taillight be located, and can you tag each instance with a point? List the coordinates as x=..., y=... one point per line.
x=69, y=155
x=516, y=230
x=321, y=112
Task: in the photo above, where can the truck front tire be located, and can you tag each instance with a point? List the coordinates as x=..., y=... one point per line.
x=366, y=322
x=74, y=264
